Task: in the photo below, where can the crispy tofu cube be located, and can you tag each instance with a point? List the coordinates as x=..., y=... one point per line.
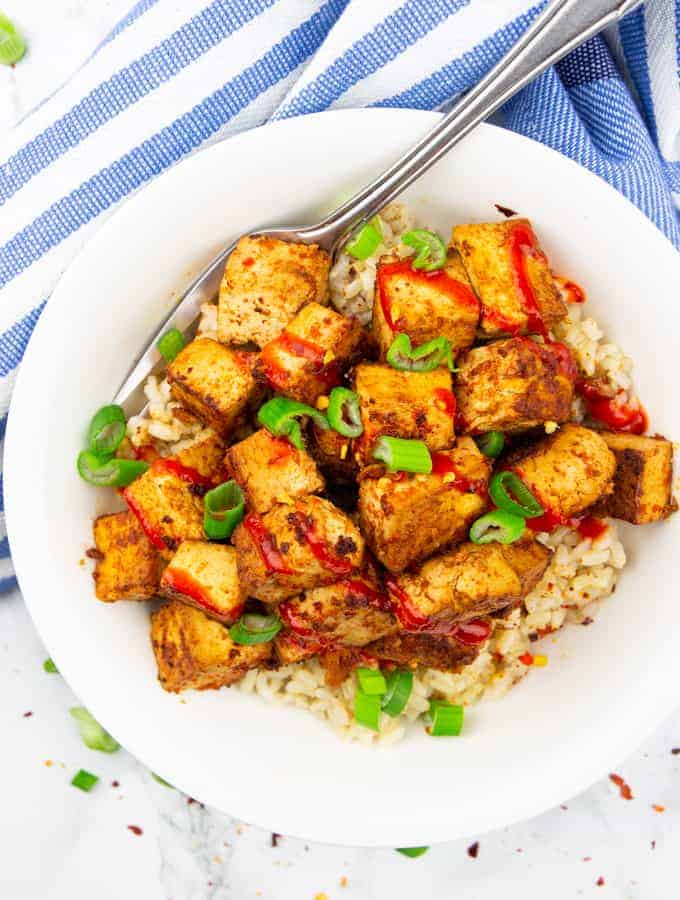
x=169, y=508
x=213, y=382
x=294, y=548
x=424, y=305
x=338, y=663
x=512, y=385
x=498, y=260
x=205, y=575
x=309, y=356
x=205, y=455
x=642, y=481
x=568, y=471
x=409, y=651
x=271, y=470
x=333, y=453
x=127, y=565
x=407, y=519
x=194, y=651
x=290, y=649
x=265, y=283
x=417, y=405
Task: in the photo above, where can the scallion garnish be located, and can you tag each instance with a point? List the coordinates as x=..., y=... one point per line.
x=253, y=628
x=399, y=687
x=366, y=241
x=367, y=709
x=49, y=666
x=343, y=412
x=92, y=733
x=401, y=455
x=446, y=719
x=169, y=344
x=424, y=358
x=84, y=780
x=371, y=681
x=280, y=416
x=431, y=249
x=109, y=472
x=223, y=509
x=106, y=431
x=498, y=525
x=162, y=781
x=412, y=852
x=491, y=443
x=12, y=43
x=510, y=494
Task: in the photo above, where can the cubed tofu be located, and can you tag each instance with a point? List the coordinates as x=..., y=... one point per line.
x=194, y=651
x=265, y=283
x=513, y=385
x=338, y=663
x=642, y=481
x=290, y=649
x=333, y=453
x=311, y=354
x=206, y=576
x=271, y=470
x=294, y=548
x=568, y=471
x=408, y=651
x=213, y=382
x=424, y=305
x=127, y=565
x=416, y=405
x=169, y=507
x=500, y=258
x=407, y=519
x=205, y=455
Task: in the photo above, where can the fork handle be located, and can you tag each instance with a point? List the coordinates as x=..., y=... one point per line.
x=563, y=25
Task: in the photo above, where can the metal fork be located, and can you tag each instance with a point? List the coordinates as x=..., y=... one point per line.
x=563, y=25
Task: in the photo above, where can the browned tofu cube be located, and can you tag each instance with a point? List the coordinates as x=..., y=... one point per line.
x=194, y=651
x=513, y=385
x=205, y=455
x=206, y=576
x=405, y=519
x=510, y=275
x=265, y=283
x=333, y=453
x=168, y=504
x=642, y=481
x=271, y=470
x=294, y=548
x=127, y=565
x=213, y=382
x=290, y=649
x=567, y=472
x=416, y=405
x=424, y=305
x=432, y=651
x=338, y=663
x=310, y=355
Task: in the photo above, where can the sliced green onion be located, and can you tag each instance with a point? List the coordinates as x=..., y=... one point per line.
x=279, y=415
x=84, y=780
x=446, y=719
x=109, y=472
x=366, y=241
x=497, y=525
x=92, y=733
x=399, y=687
x=343, y=412
x=509, y=493
x=412, y=852
x=253, y=628
x=423, y=358
x=170, y=344
x=49, y=666
x=12, y=44
x=371, y=681
x=222, y=510
x=401, y=455
x=106, y=431
x=162, y=781
x=491, y=443
x=367, y=710
x=431, y=249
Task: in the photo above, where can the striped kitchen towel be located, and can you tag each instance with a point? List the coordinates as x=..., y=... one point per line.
x=173, y=77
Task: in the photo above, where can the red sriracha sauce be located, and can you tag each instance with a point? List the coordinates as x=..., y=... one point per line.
x=320, y=549
x=282, y=450
x=183, y=583
x=612, y=411
x=248, y=262
x=358, y=588
x=146, y=452
x=476, y=631
x=522, y=244
x=329, y=373
x=592, y=528
x=191, y=476
x=471, y=633
x=444, y=465
x=152, y=533
x=439, y=279
x=288, y=617
x=570, y=292
x=553, y=353
x=447, y=400
x=265, y=543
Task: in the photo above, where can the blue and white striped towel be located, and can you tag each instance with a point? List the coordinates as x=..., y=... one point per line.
x=173, y=77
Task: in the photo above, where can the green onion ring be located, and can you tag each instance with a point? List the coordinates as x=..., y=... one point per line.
x=107, y=430
x=423, y=358
x=92, y=733
x=399, y=687
x=371, y=681
x=170, y=344
x=344, y=414
x=367, y=710
x=279, y=416
x=109, y=472
x=431, y=249
x=491, y=443
x=401, y=455
x=412, y=852
x=223, y=509
x=84, y=780
x=498, y=525
x=253, y=628
x=12, y=43
x=510, y=494
x=366, y=241
x=446, y=719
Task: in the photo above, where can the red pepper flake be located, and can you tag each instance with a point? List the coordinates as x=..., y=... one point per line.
x=624, y=789
x=653, y=845
x=587, y=858
x=115, y=784
x=135, y=829
x=473, y=850
x=505, y=210
x=600, y=882
x=275, y=839
x=527, y=659
x=657, y=807
x=27, y=714
x=563, y=806
x=676, y=751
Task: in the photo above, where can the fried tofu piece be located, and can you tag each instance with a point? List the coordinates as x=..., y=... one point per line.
x=290, y=649
x=424, y=305
x=294, y=548
x=213, y=382
x=266, y=282
x=333, y=453
x=409, y=651
x=568, y=471
x=407, y=519
x=311, y=354
x=127, y=565
x=498, y=260
x=205, y=575
x=417, y=405
x=642, y=481
x=513, y=385
x=194, y=651
x=338, y=663
x=205, y=455
x=271, y=470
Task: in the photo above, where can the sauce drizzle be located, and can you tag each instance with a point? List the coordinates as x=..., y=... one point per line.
x=522, y=244
x=444, y=465
x=319, y=548
x=265, y=543
x=441, y=280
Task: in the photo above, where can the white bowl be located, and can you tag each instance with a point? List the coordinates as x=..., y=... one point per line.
x=605, y=687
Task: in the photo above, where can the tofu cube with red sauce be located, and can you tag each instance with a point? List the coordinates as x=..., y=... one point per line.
x=511, y=276
x=416, y=405
x=212, y=381
x=333, y=453
x=271, y=470
x=424, y=305
x=266, y=282
x=406, y=518
x=127, y=566
x=290, y=649
x=513, y=385
x=296, y=547
x=196, y=652
x=308, y=358
x=205, y=455
x=205, y=575
x=433, y=651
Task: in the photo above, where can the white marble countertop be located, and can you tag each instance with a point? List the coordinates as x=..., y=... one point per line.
x=58, y=843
